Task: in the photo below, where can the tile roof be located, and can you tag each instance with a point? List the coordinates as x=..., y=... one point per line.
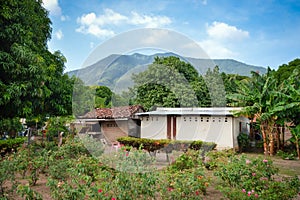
x=114, y=113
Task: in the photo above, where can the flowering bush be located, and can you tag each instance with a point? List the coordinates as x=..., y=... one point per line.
x=245, y=178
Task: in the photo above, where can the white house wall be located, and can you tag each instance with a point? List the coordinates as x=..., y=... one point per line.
x=154, y=127
x=206, y=128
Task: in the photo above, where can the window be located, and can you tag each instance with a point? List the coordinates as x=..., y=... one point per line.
x=207, y=119
x=226, y=119
x=201, y=119
x=184, y=119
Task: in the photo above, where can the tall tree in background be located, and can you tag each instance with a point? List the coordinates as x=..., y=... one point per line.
x=166, y=82
x=215, y=85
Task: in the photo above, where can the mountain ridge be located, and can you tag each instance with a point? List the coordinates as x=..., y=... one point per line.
x=109, y=70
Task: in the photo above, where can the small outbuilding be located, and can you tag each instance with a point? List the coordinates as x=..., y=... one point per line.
x=216, y=124
x=112, y=123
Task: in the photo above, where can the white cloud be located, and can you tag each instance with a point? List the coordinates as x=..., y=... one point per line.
x=148, y=21
x=101, y=25
x=59, y=34
x=221, y=38
x=215, y=49
x=52, y=6
x=64, y=18
x=223, y=31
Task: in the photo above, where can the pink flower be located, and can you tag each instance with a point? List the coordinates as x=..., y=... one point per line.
x=170, y=189
x=265, y=161
x=253, y=174
x=256, y=195
x=249, y=194
x=243, y=190
x=248, y=161
x=99, y=191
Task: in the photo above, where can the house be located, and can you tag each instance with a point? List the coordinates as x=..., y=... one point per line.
x=112, y=123
x=207, y=124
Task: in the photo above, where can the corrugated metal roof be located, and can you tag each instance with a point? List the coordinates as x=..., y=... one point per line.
x=218, y=111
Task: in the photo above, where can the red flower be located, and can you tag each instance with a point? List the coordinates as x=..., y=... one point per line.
x=113, y=198
x=100, y=190
x=197, y=192
x=170, y=189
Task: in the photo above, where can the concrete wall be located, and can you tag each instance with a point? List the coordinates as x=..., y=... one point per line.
x=216, y=129
x=223, y=130
x=154, y=127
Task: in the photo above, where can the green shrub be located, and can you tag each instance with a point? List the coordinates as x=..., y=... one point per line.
x=243, y=141
x=10, y=144
x=165, y=144
x=245, y=178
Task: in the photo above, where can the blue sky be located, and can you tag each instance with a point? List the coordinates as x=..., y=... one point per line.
x=257, y=32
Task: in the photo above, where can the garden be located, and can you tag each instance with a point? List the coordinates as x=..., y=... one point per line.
x=83, y=168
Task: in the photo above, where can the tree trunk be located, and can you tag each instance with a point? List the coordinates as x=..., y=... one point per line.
x=264, y=135
x=297, y=147
x=271, y=138
x=283, y=134
x=278, y=133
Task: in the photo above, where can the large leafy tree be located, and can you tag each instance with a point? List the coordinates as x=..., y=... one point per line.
x=25, y=30
x=166, y=82
x=32, y=82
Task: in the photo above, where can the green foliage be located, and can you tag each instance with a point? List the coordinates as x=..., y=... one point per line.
x=83, y=98
x=27, y=193
x=166, y=82
x=95, y=147
x=10, y=144
x=287, y=155
x=243, y=141
x=286, y=70
x=165, y=144
x=7, y=176
x=10, y=126
x=215, y=87
x=215, y=159
x=190, y=159
x=245, y=178
x=56, y=125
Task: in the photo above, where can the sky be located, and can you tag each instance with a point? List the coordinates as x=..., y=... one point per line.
x=257, y=32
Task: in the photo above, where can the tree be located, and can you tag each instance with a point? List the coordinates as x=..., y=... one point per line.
x=286, y=70
x=256, y=96
x=166, y=82
x=32, y=81
x=103, y=97
x=25, y=30
x=215, y=87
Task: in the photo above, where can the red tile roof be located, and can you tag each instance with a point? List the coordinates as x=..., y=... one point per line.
x=115, y=112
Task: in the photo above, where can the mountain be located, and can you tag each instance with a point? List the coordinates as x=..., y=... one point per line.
x=115, y=70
